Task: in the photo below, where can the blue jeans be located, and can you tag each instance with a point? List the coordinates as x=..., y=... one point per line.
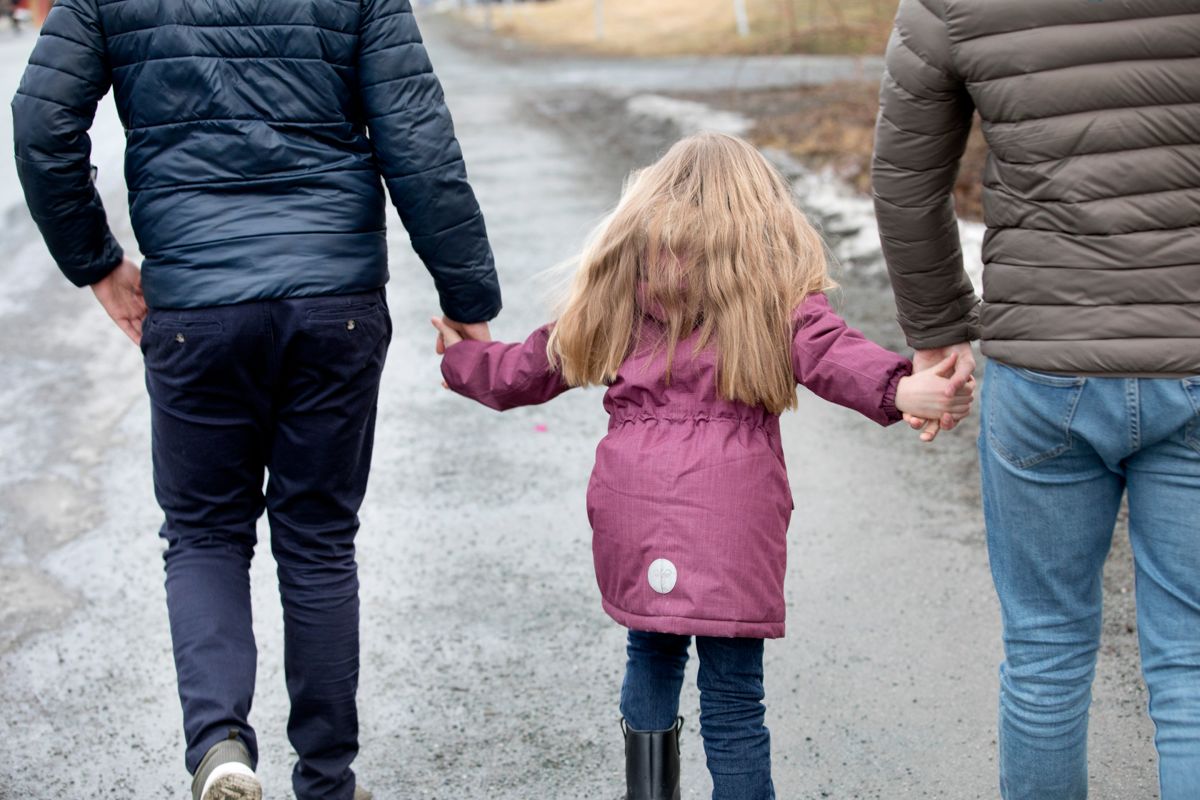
x=1057, y=455
x=289, y=388
x=736, y=742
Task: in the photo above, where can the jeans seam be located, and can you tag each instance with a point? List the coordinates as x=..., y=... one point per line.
x=1133, y=408
x=1191, y=432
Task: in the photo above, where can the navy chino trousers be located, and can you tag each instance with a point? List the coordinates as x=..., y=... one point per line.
x=284, y=390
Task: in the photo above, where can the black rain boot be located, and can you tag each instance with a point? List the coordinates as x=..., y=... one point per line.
x=652, y=763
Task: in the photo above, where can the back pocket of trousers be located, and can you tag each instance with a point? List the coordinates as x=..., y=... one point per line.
x=1192, y=432
x=1030, y=413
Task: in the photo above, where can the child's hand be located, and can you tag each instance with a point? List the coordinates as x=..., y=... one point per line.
x=928, y=395
x=447, y=336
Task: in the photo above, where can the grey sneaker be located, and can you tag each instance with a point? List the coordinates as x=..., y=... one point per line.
x=361, y=793
x=225, y=773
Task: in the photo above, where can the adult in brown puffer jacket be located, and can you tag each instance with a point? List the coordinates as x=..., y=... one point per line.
x=1091, y=316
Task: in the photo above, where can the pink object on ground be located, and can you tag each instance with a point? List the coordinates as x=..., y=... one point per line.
x=540, y=428
x=689, y=499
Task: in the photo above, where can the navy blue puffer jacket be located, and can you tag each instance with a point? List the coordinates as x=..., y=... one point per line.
x=257, y=133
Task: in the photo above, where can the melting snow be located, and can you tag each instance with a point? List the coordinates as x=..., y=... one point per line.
x=845, y=215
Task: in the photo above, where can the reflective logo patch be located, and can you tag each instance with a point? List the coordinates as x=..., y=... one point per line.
x=662, y=575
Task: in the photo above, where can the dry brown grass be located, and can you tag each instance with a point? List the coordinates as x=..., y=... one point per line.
x=675, y=27
x=834, y=127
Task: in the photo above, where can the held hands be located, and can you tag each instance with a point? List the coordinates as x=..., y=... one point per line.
x=120, y=292
x=451, y=333
x=447, y=336
x=963, y=376
x=938, y=396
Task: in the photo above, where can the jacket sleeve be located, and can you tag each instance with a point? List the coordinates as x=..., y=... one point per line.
x=53, y=109
x=421, y=162
x=504, y=376
x=839, y=364
x=924, y=120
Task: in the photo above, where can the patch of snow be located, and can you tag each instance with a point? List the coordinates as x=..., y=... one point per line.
x=847, y=219
x=845, y=216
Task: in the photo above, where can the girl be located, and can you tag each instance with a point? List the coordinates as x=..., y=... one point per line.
x=699, y=304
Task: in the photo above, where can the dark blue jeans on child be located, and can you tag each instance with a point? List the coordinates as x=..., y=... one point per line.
x=736, y=740
x=285, y=388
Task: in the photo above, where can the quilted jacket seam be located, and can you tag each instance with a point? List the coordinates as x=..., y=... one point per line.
x=987, y=34
x=1052, y=70
x=1140, y=106
x=79, y=78
x=397, y=79
x=198, y=57
x=231, y=28
x=405, y=176
x=1095, y=153
x=84, y=45
x=1062, y=202
x=311, y=122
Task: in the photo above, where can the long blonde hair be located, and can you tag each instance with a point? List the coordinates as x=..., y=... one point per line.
x=709, y=238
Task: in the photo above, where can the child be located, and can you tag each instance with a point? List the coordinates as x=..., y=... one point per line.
x=699, y=304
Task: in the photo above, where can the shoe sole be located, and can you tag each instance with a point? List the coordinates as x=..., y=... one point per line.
x=234, y=787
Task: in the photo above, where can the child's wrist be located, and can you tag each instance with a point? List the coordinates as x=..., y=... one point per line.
x=902, y=398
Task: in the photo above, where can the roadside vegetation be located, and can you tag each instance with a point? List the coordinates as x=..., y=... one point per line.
x=833, y=127
x=826, y=127
x=679, y=27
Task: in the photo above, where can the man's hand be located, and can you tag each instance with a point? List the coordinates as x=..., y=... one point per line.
x=451, y=333
x=473, y=331
x=925, y=396
x=448, y=336
x=963, y=376
x=120, y=292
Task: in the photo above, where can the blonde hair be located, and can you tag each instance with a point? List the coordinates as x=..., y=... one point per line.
x=709, y=238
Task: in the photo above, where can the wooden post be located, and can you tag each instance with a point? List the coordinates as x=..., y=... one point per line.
x=837, y=13
x=743, y=20
x=789, y=13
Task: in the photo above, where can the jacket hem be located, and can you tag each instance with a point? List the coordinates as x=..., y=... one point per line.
x=1111, y=358
x=270, y=267
x=691, y=626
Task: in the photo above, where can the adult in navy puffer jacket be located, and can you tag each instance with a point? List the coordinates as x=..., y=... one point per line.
x=251, y=175
x=257, y=135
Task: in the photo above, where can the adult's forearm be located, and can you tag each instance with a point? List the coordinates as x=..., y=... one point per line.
x=71, y=217
x=53, y=109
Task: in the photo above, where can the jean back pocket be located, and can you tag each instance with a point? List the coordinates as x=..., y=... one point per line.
x=1029, y=413
x=1192, y=431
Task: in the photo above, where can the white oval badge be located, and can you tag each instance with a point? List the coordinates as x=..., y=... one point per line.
x=662, y=575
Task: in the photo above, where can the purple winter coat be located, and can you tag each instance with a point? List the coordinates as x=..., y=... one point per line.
x=689, y=499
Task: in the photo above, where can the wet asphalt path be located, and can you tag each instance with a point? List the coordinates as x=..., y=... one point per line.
x=489, y=669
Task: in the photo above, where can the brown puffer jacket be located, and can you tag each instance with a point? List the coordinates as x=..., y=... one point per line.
x=1091, y=110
